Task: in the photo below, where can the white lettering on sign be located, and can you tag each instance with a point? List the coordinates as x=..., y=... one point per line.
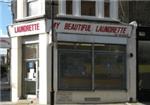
x=91, y=28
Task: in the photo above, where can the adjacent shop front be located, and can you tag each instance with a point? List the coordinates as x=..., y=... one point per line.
x=93, y=61
x=143, y=63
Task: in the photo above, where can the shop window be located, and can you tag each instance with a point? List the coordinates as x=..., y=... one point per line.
x=107, y=8
x=74, y=68
x=110, y=65
x=69, y=7
x=88, y=67
x=32, y=7
x=88, y=8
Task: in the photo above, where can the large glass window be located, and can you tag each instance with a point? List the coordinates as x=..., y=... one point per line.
x=91, y=66
x=74, y=67
x=110, y=65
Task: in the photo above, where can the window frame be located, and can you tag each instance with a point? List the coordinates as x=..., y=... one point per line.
x=102, y=9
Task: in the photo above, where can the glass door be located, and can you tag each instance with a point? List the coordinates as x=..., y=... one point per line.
x=144, y=70
x=30, y=71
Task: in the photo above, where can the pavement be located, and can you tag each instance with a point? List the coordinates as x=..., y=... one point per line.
x=27, y=102
x=20, y=102
x=5, y=99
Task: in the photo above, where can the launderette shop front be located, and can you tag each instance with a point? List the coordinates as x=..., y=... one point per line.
x=93, y=61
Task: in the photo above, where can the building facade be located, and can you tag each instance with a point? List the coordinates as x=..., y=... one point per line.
x=5, y=44
x=72, y=53
x=143, y=49
x=139, y=11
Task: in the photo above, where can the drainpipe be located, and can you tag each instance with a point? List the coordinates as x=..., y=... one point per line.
x=52, y=56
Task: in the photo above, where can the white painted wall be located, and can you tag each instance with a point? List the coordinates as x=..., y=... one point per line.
x=16, y=68
x=76, y=8
x=44, y=69
x=20, y=9
x=114, y=9
x=62, y=7
x=131, y=48
x=100, y=8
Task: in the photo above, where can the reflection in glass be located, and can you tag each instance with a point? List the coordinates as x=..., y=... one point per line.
x=30, y=51
x=144, y=64
x=87, y=67
x=110, y=67
x=30, y=56
x=74, y=69
x=30, y=87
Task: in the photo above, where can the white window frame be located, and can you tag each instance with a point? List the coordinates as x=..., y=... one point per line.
x=22, y=10
x=99, y=8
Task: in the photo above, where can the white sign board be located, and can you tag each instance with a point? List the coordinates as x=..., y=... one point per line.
x=92, y=28
x=35, y=27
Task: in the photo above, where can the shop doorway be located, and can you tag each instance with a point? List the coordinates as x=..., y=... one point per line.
x=30, y=78
x=143, y=63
